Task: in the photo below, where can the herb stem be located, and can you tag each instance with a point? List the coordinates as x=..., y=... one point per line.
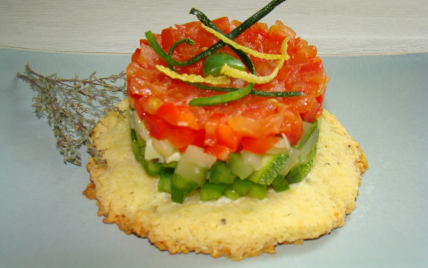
x=69, y=108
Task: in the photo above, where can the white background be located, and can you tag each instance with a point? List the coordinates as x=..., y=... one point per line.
x=107, y=26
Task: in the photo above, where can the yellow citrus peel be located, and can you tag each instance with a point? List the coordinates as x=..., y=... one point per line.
x=251, y=78
x=247, y=50
x=192, y=78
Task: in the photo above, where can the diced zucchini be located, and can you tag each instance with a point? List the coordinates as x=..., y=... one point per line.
x=307, y=149
x=237, y=166
x=196, y=155
x=281, y=147
x=196, y=169
x=308, y=129
x=291, y=161
x=297, y=166
x=211, y=191
x=271, y=165
x=220, y=173
x=138, y=125
x=252, y=159
x=164, y=148
x=151, y=153
x=191, y=171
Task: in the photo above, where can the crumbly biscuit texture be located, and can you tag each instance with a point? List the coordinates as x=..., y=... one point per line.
x=236, y=229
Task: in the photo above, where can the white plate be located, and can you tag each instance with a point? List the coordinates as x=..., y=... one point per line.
x=381, y=100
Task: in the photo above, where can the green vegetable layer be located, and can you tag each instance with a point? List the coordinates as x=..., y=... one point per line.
x=234, y=178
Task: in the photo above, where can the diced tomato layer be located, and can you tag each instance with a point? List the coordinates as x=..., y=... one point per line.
x=211, y=129
x=177, y=115
x=249, y=127
x=259, y=145
x=252, y=123
x=181, y=137
x=157, y=127
x=219, y=151
x=199, y=138
x=228, y=137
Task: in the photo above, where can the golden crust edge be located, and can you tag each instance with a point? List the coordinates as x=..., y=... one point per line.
x=138, y=227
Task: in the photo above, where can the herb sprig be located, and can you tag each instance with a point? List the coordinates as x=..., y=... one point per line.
x=72, y=106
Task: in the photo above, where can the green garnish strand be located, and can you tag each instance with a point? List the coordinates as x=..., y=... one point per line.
x=232, y=35
x=231, y=96
x=223, y=98
x=207, y=22
x=234, y=93
x=244, y=57
x=179, y=42
x=260, y=93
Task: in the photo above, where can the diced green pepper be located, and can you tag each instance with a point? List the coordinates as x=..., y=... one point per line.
x=140, y=141
x=294, y=176
x=280, y=184
x=220, y=173
x=240, y=186
x=211, y=191
x=180, y=187
x=177, y=195
x=165, y=181
x=236, y=165
x=231, y=194
x=257, y=191
x=135, y=147
x=152, y=168
x=183, y=184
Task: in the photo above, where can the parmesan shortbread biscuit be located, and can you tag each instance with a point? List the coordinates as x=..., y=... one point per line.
x=127, y=196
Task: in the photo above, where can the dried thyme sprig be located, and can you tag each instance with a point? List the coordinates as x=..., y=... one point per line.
x=72, y=107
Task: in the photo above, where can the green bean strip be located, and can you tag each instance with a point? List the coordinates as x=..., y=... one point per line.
x=255, y=92
x=207, y=22
x=247, y=61
x=223, y=98
x=232, y=35
x=231, y=96
x=176, y=44
x=244, y=57
x=234, y=93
